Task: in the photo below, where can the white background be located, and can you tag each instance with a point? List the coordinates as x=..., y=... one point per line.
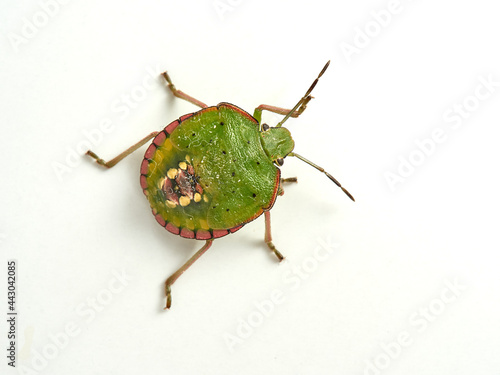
x=383, y=301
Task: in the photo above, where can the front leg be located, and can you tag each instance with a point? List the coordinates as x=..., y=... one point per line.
x=257, y=114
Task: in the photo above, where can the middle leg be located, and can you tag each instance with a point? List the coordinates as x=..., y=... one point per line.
x=181, y=94
x=268, y=238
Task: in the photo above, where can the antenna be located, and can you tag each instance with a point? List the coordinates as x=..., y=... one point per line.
x=322, y=170
x=306, y=98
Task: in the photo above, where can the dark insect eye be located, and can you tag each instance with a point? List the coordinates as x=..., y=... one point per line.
x=265, y=127
x=280, y=161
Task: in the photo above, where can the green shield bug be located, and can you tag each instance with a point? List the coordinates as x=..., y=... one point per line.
x=210, y=172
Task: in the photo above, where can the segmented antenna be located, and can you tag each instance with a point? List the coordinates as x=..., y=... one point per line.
x=306, y=98
x=325, y=172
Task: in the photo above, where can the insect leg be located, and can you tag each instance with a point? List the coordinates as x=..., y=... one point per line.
x=181, y=270
x=301, y=105
x=286, y=181
x=181, y=94
x=268, y=238
x=257, y=114
x=127, y=152
x=295, y=111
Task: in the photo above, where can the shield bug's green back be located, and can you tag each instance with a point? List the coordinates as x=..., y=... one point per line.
x=207, y=174
x=210, y=172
